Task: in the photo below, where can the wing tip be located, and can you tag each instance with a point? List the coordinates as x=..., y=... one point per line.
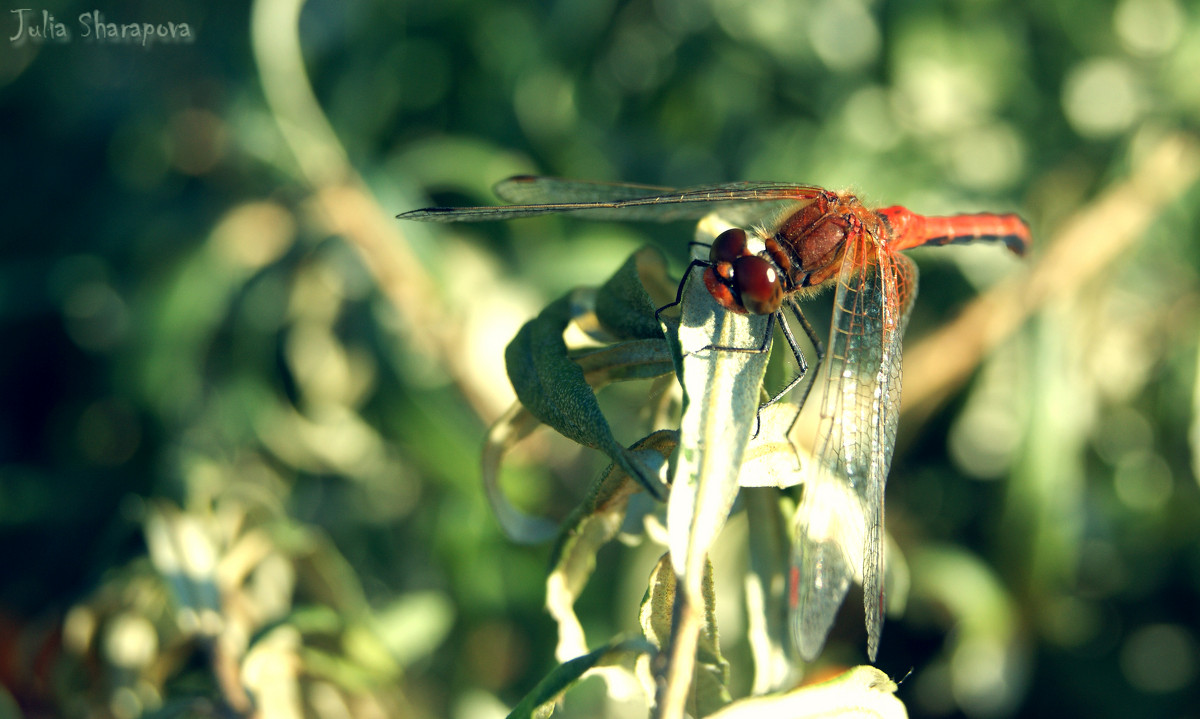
x=426, y=214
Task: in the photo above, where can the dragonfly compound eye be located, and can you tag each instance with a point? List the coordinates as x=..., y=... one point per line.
x=728, y=246
x=757, y=285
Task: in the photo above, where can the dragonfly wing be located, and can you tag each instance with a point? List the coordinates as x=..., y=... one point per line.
x=821, y=564
x=839, y=524
x=900, y=275
x=615, y=201
x=536, y=190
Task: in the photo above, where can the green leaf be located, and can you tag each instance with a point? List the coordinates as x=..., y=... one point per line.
x=629, y=360
x=657, y=616
x=538, y=703
x=863, y=692
x=625, y=305
x=553, y=386
x=550, y=384
x=721, y=395
x=590, y=526
x=635, y=359
x=768, y=630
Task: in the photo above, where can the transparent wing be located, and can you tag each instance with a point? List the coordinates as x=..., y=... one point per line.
x=536, y=190
x=615, y=201
x=839, y=524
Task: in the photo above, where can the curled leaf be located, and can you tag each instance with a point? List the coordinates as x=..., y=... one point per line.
x=772, y=459
x=513, y=426
x=556, y=387
x=590, y=526
x=625, y=305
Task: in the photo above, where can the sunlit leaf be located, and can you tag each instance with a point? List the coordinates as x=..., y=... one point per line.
x=772, y=459
x=711, y=675
x=184, y=550
x=721, y=390
x=539, y=702
x=863, y=692
x=590, y=526
x=768, y=630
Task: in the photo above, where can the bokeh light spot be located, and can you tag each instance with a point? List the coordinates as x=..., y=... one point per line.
x=96, y=317
x=254, y=234
x=778, y=26
x=867, y=119
x=983, y=440
x=1159, y=658
x=108, y=432
x=1148, y=27
x=844, y=35
x=1143, y=481
x=988, y=158
x=1102, y=97
x=198, y=141
x=933, y=96
x=130, y=641
x=545, y=103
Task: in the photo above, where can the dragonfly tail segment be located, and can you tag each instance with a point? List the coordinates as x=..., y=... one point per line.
x=912, y=230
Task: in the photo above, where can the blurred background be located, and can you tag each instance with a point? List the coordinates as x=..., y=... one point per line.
x=243, y=406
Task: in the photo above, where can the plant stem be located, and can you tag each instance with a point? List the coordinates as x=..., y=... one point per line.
x=673, y=674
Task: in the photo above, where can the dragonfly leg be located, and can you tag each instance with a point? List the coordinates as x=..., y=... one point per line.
x=818, y=348
x=800, y=362
x=679, y=290
x=765, y=347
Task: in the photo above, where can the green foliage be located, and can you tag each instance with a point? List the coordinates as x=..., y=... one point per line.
x=554, y=388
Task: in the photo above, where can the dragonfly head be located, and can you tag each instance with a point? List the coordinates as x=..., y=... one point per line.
x=740, y=280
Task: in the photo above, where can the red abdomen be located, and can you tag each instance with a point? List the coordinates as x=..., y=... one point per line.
x=912, y=230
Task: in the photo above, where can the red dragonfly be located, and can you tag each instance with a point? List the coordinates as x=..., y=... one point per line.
x=823, y=238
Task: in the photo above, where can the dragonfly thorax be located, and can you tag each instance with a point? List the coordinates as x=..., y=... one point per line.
x=816, y=236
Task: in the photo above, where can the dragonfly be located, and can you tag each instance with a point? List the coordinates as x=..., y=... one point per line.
x=801, y=239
